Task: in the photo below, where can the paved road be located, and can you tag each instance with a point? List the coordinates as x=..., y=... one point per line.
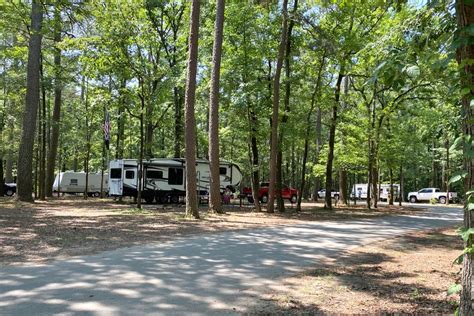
x=210, y=274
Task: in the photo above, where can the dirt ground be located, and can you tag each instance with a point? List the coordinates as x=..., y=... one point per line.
x=406, y=275
x=71, y=226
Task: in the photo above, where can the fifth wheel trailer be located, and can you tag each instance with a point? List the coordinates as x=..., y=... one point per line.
x=164, y=179
x=75, y=182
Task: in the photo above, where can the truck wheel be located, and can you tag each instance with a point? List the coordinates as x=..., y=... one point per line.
x=264, y=199
x=442, y=200
x=9, y=192
x=336, y=196
x=174, y=199
x=250, y=199
x=413, y=199
x=293, y=199
x=96, y=194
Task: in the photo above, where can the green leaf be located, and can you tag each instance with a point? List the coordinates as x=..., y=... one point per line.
x=458, y=177
x=466, y=233
x=454, y=288
x=412, y=71
x=459, y=259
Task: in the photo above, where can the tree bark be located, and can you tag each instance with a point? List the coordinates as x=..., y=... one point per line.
x=190, y=120
x=342, y=186
x=214, y=190
x=332, y=136
x=53, y=149
x=465, y=54
x=276, y=104
x=25, y=155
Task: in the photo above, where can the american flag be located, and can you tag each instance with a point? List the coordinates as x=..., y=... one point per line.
x=107, y=130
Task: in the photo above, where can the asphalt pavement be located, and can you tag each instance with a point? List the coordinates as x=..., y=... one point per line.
x=217, y=273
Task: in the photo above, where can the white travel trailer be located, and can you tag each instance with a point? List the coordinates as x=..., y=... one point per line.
x=360, y=190
x=164, y=179
x=75, y=182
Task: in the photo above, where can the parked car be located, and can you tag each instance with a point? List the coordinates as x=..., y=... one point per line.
x=287, y=193
x=322, y=194
x=9, y=189
x=428, y=194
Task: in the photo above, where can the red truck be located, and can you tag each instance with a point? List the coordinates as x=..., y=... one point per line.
x=287, y=193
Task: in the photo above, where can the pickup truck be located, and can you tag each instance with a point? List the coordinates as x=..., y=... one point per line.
x=427, y=194
x=287, y=193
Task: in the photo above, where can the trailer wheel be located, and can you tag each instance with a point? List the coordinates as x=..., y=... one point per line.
x=9, y=192
x=442, y=200
x=96, y=194
x=264, y=199
x=413, y=199
x=149, y=199
x=163, y=199
x=174, y=199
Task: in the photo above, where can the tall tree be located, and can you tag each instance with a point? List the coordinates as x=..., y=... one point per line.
x=214, y=190
x=53, y=149
x=275, y=108
x=190, y=120
x=25, y=155
x=465, y=56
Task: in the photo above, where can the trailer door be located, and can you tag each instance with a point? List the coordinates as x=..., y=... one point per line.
x=116, y=178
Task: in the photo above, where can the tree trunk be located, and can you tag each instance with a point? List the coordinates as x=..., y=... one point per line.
x=276, y=104
x=53, y=149
x=121, y=122
x=279, y=184
x=214, y=190
x=400, y=190
x=178, y=124
x=42, y=144
x=390, y=198
x=9, y=160
x=190, y=120
x=88, y=136
x=319, y=143
x=332, y=136
x=25, y=155
x=142, y=151
x=465, y=53
x=343, y=186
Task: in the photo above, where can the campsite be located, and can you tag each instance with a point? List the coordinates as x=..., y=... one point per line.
x=236, y=157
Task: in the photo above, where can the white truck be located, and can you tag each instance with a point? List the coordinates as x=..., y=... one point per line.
x=428, y=194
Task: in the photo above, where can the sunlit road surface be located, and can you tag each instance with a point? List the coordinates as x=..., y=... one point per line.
x=200, y=275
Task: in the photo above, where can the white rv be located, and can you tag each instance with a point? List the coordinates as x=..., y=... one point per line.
x=360, y=191
x=75, y=182
x=164, y=179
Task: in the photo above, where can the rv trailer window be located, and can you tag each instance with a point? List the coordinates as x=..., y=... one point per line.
x=175, y=176
x=115, y=173
x=154, y=174
x=222, y=171
x=129, y=174
x=73, y=182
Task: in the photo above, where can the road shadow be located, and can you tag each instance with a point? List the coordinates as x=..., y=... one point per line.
x=208, y=274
